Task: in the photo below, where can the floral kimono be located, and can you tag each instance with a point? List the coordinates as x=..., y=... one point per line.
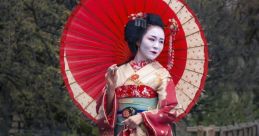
x=145, y=88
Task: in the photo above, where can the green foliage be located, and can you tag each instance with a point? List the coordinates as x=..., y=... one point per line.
x=30, y=79
x=232, y=88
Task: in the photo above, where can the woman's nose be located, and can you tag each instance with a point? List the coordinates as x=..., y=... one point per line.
x=156, y=45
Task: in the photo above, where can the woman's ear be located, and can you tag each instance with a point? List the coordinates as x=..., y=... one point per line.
x=138, y=43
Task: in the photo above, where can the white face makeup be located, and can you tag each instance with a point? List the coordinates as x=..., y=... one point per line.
x=152, y=44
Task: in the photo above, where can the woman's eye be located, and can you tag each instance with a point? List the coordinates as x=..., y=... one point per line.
x=151, y=39
x=162, y=42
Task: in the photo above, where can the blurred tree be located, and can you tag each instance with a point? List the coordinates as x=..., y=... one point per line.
x=232, y=88
x=30, y=79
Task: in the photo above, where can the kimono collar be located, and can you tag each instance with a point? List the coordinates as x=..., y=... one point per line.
x=140, y=64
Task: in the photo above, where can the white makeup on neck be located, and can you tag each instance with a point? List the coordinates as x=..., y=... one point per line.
x=151, y=45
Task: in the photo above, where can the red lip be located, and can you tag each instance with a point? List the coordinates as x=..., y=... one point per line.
x=153, y=52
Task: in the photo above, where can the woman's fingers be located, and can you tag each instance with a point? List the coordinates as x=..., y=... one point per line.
x=110, y=75
x=112, y=69
x=129, y=123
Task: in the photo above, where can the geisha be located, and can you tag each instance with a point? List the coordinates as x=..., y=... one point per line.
x=139, y=95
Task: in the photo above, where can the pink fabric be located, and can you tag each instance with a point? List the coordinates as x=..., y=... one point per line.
x=135, y=91
x=107, y=123
x=157, y=122
x=138, y=65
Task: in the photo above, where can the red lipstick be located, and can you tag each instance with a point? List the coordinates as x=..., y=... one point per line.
x=154, y=52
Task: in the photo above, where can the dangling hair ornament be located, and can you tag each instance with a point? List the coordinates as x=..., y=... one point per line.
x=139, y=19
x=173, y=27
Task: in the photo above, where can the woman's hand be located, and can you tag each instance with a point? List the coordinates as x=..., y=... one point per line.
x=111, y=77
x=133, y=121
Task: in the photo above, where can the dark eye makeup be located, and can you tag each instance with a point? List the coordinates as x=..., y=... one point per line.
x=151, y=39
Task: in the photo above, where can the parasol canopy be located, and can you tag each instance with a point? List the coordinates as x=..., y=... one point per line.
x=93, y=40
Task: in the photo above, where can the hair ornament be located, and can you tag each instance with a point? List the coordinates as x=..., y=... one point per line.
x=173, y=27
x=139, y=19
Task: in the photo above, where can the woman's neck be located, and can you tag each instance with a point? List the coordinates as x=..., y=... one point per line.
x=139, y=57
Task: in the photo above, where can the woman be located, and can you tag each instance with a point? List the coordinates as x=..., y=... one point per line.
x=139, y=94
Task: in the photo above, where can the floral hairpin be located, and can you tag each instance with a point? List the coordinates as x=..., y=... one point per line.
x=139, y=19
x=173, y=27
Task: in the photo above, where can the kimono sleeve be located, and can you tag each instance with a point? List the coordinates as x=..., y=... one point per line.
x=106, y=120
x=159, y=120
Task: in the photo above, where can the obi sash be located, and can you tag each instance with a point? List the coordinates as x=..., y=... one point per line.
x=139, y=104
x=133, y=99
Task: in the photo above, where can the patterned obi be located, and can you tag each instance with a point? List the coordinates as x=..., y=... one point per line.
x=134, y=99
x=135, y=91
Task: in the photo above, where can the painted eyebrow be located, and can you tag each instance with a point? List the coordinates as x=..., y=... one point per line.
x=156, y=37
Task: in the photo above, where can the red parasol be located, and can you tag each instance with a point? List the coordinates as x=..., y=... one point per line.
x=93, y=39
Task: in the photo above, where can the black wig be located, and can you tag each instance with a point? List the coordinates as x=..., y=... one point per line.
x=134, y=33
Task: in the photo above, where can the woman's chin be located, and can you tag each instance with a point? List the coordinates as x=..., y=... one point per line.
x=152, y=57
